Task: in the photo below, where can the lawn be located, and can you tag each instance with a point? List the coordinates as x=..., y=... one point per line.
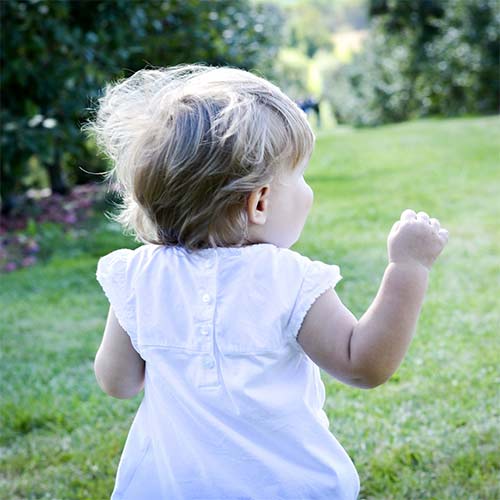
x=431, y=432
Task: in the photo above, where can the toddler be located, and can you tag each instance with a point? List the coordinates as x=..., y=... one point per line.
x=223, y=326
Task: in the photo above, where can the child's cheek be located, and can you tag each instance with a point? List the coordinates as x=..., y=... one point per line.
x=310, y=198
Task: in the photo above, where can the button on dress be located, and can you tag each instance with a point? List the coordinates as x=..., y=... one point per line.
x=232, y=406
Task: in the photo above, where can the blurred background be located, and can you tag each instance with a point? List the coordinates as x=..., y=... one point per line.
x=358, y=63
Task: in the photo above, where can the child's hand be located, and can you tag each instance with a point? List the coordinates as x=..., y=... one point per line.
x=416, y=238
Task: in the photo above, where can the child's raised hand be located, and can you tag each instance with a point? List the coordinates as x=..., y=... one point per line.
x=416, y=238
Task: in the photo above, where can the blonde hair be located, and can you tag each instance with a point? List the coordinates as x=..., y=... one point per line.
x=190, y=143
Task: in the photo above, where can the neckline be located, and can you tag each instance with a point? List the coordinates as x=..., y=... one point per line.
x=229, y=250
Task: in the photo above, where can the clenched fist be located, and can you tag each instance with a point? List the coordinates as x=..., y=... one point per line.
x=416, y=238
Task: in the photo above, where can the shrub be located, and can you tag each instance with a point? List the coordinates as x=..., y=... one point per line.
x=422, y=58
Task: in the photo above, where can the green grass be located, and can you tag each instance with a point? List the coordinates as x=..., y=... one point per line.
x=431, y=432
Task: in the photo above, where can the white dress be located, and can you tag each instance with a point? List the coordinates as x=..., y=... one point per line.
x=232, y=407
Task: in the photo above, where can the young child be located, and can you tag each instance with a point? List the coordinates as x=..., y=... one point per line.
x=223, y=326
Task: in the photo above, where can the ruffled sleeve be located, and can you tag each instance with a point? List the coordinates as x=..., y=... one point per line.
x=318, y=277
x=112, y=274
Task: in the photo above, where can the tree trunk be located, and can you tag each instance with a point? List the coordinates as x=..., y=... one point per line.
x=58, y=182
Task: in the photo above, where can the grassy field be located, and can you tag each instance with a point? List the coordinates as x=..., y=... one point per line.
x=431, y=432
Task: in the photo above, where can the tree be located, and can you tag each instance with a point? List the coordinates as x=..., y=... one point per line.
x=55, y=56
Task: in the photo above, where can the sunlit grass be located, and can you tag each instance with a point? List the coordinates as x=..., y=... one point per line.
x=429, y=433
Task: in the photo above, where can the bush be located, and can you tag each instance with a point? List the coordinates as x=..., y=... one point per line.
x=418, y=61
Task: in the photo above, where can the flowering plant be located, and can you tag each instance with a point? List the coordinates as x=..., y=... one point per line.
x=27, y=232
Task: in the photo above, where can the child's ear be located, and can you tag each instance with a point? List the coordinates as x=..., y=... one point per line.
x=258, y=204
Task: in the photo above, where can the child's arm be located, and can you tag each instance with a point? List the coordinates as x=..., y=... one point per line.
x=118, y=367
x=367, y=352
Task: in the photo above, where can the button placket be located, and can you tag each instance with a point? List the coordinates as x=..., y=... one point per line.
x=204, y=338
x=209, y=362
x=207, y=295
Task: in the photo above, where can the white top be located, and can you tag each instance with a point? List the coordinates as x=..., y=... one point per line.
x=232, y=405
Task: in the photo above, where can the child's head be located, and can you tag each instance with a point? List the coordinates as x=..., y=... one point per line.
x=190, y=144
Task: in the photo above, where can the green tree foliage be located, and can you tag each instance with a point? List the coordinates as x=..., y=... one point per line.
x=308, y=26
x=311, y=23
x=56, y=55
x=422, y=58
